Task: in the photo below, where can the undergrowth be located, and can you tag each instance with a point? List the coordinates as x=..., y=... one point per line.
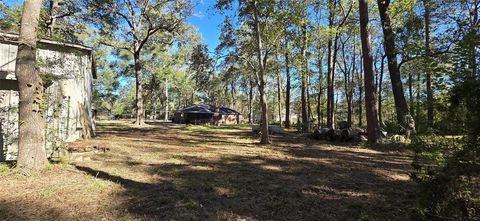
x=447, y=174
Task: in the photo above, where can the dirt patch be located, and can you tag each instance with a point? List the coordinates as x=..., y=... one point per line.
x=171, y=172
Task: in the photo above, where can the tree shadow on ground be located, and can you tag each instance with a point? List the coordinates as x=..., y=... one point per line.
x=10, y=210
x=301, y=180
x=261, y=188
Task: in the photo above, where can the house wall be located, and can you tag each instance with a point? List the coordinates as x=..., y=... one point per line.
x=68, y=96
x=232, y=119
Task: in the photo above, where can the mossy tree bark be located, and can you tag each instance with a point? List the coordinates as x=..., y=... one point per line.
x=31, y=150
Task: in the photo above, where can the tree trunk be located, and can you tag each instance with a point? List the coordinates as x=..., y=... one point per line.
x=279, y=93
x=166, y=100
x=352, y=86
x=370, y=107
x=52, y=17
x=417, y=111
x=331, y=69
x=320, y=90
x=140, y=114
x=233, y=94
x=31, y=150
x=250, y=102
x=428, y=61
x=347, y=80
x=288, y=88
x=390, y=50
x=330, y=86
x=309, y=107
x=380, y=82
x=305, y=120
x=360, y=92
x=473, y=44
x=261, y=78
x=410, y=91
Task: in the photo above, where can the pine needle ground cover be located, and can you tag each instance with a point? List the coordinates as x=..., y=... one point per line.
x=178, y=172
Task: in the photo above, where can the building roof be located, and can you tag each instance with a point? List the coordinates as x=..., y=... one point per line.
x=11, y=38
x=209, y=109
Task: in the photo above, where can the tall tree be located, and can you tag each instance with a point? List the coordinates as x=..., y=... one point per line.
x=360, y=92
x=31, y=150
x=279, y=87
x=304, y=78
x=380, y=90
x=390, y=50
x=255, y=15
x=130, y=24
x=261, y=77
x=428, y=70
x=334, y=28
x=288, y=84
x=332, y=48
x=349, y=75
x=370, y=107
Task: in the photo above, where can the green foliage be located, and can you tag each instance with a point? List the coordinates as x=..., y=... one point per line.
x=447, y=172
x=4, y=168
x=125, y=105
x=391, y=127
x=10, y=18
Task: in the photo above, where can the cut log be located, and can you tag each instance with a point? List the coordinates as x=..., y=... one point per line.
x=361, y=138
x=321, y=133
x=347, y=135
x=344, y=125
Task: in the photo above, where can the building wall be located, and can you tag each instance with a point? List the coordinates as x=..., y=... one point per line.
x=68, y=96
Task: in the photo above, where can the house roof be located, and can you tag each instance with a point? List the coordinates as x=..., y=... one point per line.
x=209, y=109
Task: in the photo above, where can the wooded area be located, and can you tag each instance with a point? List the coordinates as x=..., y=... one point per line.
x=386, y=74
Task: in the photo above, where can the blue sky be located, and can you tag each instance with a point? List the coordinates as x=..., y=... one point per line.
x=205, y=18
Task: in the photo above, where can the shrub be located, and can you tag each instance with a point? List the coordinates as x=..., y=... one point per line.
x=447, y=173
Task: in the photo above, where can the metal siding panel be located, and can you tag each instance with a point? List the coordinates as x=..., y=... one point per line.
x=75, y=69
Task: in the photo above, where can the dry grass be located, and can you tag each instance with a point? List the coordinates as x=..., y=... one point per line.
x=177, y=172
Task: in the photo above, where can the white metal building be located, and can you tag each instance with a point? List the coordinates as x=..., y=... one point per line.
x=68, y=115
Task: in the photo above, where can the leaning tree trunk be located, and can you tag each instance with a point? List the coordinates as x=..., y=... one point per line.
x=370, y=107
x=390, y=50
x=140, y=115
x=31, y=150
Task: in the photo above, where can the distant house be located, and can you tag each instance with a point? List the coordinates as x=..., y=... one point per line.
x=68, y=71
x=207, y=114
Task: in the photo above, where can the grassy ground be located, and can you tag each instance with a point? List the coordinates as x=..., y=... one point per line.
x=176, y=172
